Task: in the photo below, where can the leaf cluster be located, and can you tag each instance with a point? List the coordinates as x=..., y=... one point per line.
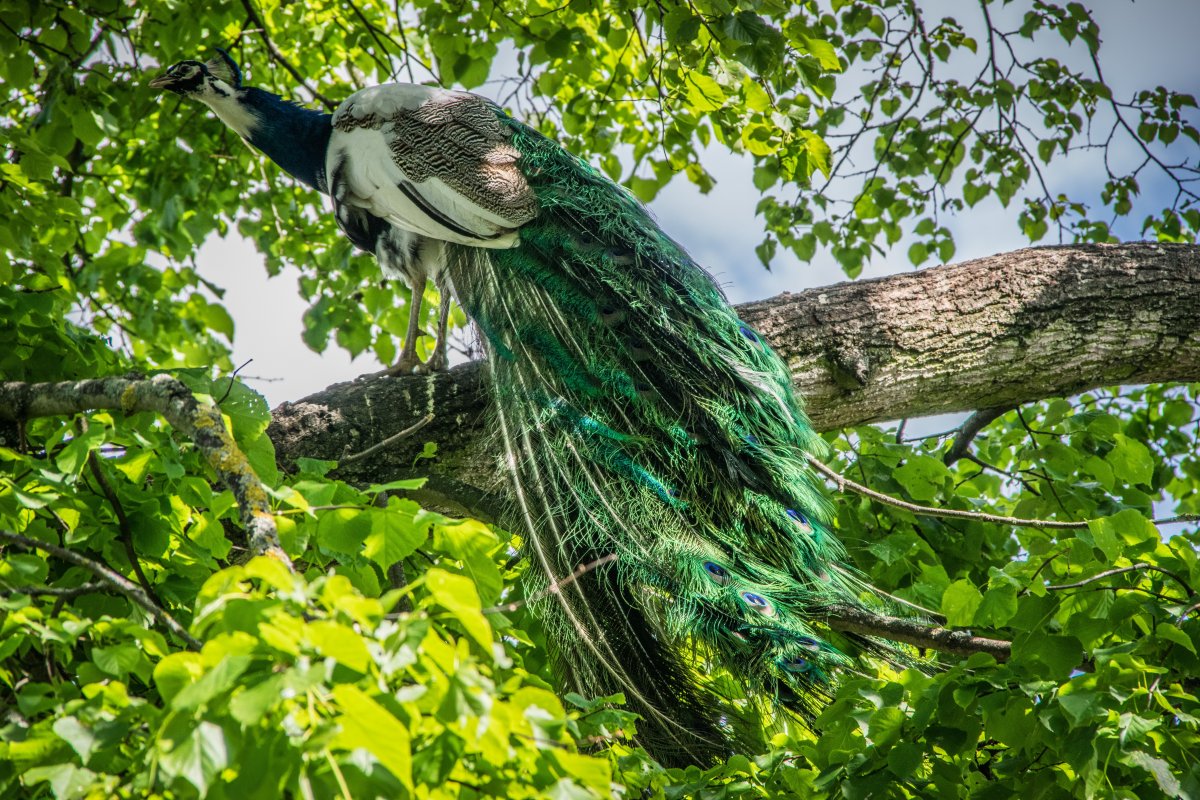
x=391, y=662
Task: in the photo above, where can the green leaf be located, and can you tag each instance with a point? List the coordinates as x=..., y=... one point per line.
x=756, y=96
x=998, y=606
x=1059, y=654
x=23, y=569
x=1130, y=460
x=343, y=530
x=1160, y=769
x=1081, y=705
x=457, y=595
x=395, y=533
x=65, y=780
x=216, y=682
x=959, y=603
x=825, y=54
x=923, y=477
x=198, y=756
x=759, y=139
x=703, y=93
x=339, y=643
x=681, y=25
x=81, y=738
x=121, y=659
x=475, y=545
x=366, y=724
x=177, y=671
x=1128, y=528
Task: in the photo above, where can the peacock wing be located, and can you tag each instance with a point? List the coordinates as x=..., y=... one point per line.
x=435, y=162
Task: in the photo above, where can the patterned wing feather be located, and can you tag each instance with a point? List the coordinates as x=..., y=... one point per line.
x=431, y=161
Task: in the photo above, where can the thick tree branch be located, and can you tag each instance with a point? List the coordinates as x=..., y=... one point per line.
x=162, y=394
x=962, y=643
x=988, y=334
x=995, y=332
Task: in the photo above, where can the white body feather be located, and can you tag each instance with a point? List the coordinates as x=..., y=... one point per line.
x=363, y=159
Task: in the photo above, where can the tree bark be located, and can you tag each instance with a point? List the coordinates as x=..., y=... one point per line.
x=995, y=332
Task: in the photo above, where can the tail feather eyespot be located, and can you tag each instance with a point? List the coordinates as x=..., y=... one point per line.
x=758, y=603
x=808, y=643
x=800, y=519
x=797, y=665
x=717, y=572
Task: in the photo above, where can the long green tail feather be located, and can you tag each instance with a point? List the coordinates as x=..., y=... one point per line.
x=641, y=418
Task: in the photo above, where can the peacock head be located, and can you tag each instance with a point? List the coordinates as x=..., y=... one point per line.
x=217, y=77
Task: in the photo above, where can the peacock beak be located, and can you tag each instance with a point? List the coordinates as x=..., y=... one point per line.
x=161, y=82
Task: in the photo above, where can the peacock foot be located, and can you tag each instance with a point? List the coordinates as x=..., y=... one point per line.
x=439, y=361
x=408, y=364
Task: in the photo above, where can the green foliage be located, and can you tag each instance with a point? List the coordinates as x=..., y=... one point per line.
x=346, y=678
x=383, y=667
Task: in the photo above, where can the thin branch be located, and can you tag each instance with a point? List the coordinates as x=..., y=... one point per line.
x=278, y=56
x=843, y=483
x=1139, y=567
x=108, y=576
x=126, y=531
x=61, y=592
x=970, y=428
x=375, y=448
x=553, y=588
x=233, y=379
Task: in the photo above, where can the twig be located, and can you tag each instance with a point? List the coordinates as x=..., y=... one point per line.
x=857, y=620
x=164, y=395
x=970, y=428
x=281, y=59
x=1139, y=567
x=61, y=592
x=232, y=379
x=843, y=483
x=126, y=532
x=555, y=587
x=108, y=576
x=395, y=437
x=1178, y=518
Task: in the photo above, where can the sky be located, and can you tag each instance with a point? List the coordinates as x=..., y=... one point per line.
x=1145, y=43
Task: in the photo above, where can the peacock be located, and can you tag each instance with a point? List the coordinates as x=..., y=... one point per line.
x=656, y=446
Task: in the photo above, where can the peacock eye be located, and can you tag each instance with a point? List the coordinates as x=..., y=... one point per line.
x=749, y=334
x=808, y=643
x=717, y=572
x=759, y=603
x=796, y=664
x=800, y=520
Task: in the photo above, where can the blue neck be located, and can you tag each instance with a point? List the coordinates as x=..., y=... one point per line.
x=295, y=138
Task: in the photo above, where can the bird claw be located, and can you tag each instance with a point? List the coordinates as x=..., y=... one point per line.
x=406, y=366
x=438, y=362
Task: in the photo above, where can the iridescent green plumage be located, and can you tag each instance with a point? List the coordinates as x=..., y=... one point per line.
x=650, y=433
x=642, y=418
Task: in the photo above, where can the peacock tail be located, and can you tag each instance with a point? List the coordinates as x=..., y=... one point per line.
x=642, y=419
x=657, y=448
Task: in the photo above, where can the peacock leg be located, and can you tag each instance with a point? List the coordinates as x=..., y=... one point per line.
x=439, y=360
x=409, y=362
